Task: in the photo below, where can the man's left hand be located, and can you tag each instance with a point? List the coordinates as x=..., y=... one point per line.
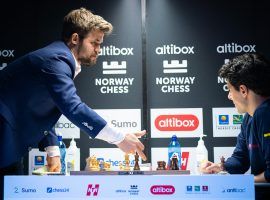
x=53, y=164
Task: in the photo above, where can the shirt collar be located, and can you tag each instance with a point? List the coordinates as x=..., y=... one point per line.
x=78, y=67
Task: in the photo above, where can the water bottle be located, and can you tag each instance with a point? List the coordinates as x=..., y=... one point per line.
x=62, y=148
x=174, y=151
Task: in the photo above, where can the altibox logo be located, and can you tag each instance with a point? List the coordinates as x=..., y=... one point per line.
x=173, y=49
x=162, y=189
x=177, y=122
x=235, y=48
x=92, y=190
x=6, y=53
x=115, y=51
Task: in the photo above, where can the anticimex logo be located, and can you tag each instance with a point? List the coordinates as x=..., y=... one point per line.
x=92, y=189
x=162, y=189
x=177, y=122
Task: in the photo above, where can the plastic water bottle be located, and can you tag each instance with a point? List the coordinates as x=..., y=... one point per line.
x=62, y=148
x=73, y=157
x=174, y=151
x=201, y=154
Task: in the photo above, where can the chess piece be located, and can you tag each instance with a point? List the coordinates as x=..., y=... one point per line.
x=101, y=165
x=107, y=166
x=136, y=165
x=222, y=162
x=121, y=167
x=127, y=167
x=161, y=165
x=92, y=164
x=222, y=167
x=174, y=163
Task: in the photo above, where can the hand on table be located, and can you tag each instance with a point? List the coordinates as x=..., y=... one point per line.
x=210, y=168
x=53, y=164
x=131, y=144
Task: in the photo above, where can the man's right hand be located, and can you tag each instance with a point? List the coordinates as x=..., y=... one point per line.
x=210, y=168
x=131, y=144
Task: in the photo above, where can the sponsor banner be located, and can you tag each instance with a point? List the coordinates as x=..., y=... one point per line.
x=188, y=157
x=36, y=160
x=117, y=77
x=175, y=72
x=67, y=128
x=114, y=156
x=126, y=120
x=129, y=187
x=226, y=152
x=183, y=122
x=226, y=122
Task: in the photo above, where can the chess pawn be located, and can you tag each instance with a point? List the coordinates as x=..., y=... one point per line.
x=136, y=165
x=101, y=165
x=121, y=166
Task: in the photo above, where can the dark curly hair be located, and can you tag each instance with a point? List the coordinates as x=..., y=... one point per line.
x=251, y=70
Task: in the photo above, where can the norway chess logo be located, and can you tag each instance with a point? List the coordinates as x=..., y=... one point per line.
x=114, y=67
x=92, y=189
x=174, y=67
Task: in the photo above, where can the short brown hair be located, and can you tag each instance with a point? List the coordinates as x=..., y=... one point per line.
x=83, y=21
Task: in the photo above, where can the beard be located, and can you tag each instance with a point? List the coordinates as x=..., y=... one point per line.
x=87, y=60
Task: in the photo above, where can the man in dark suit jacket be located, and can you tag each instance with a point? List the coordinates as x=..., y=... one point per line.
x=38, y=87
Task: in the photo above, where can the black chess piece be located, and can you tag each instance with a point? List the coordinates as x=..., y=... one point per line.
x=222, y=162
x=174, y=164
x=136, y=165
x=161, y=165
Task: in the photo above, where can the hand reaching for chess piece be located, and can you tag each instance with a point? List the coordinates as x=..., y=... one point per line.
x=213, y=168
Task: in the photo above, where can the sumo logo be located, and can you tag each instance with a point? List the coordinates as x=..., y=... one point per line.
x=92, y=190
x=162, y=189
x=177, y=122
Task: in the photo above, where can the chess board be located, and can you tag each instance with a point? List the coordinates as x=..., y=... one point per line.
x=157, y=172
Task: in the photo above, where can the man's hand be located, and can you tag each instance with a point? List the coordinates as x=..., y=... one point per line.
x=53, y=164
x=210, y=168
x=131, y=144
x=260, y=178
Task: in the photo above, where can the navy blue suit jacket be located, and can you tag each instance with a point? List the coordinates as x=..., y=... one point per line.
x=34, y=91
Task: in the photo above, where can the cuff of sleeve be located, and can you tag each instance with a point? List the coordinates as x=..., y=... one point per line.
x=110, y=135
x=52, y=151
